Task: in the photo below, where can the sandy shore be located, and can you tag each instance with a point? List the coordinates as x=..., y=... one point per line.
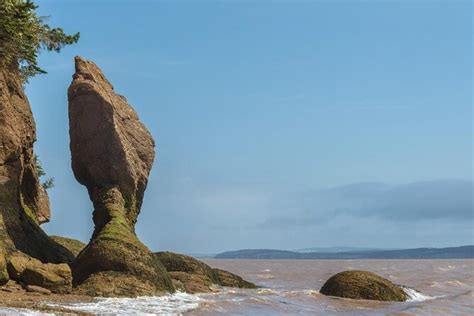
x=38, y=302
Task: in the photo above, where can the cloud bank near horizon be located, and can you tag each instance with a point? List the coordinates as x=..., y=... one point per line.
x=449, y=199
x=360, y=214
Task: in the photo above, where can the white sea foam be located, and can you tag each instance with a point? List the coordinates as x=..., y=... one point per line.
x=266, y=292
x=172, y=304
x=7, y=311
x=415, y=296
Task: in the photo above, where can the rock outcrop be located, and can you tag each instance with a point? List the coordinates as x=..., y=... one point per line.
x=73, y=245
x=112, y=155
x=193, y=276
x=30, y=271
x=363, y=285
x=24, y=203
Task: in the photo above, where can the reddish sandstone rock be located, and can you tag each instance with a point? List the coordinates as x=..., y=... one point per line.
x=30, y=271
x=37, y=289
x=363, y=285
x=23, y=201
x=193, y=276
x=112, y=155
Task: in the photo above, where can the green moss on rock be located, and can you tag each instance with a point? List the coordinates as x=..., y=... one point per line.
x=73, y=245
x=363, y=285
x=115, y=251
x=117, y=284
x=3, y=267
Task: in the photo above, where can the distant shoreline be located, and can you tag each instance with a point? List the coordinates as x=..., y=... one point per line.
x=461, y=252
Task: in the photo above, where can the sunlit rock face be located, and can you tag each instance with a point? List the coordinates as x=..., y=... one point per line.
x=112, y=155
x=24, y=203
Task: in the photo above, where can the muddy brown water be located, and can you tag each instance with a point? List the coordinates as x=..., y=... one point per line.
x=290, y=287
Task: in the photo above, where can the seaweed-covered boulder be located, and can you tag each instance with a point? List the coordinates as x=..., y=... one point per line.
x=363, y=285
x=194, y=276
x=73, y=245
x=231, y=280
x=24, y=203
x=115, y=284
x=112, y=155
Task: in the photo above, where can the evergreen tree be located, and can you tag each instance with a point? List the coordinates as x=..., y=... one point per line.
x=23, y=33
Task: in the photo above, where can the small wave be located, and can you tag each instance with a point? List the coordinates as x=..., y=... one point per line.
x=452, y=283
x=311, y=292
x=266, y=292
x=415, y=296
x=172, y=304
x=265, y=276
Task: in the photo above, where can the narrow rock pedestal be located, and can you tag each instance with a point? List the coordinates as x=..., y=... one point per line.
x=112, y=155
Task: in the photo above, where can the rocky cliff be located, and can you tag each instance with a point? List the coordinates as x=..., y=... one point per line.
x=112, y=155
x=24, y=203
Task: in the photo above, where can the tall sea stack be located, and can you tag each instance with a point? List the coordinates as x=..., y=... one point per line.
x=112, y=155
x=24, y=203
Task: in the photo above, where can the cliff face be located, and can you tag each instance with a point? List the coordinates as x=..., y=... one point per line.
x=24, y=203
x=112, y=155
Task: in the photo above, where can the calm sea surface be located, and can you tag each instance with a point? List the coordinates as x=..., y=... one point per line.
x=290, y=287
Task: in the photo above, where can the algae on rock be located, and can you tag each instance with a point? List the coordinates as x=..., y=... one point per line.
x=112, y=155
x=363, y=285
x=73, y=245
x=24, y=203
x=3, y=266
x=193, y=276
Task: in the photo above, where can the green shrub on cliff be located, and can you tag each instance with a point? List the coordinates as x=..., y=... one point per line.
x=48, y=183
x=23, y=33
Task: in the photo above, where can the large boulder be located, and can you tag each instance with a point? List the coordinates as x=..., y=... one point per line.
x=112, y=155
x=363, y=285
x=55, y=277
x=24, y=202
x=16, y=265
x=30, y=271
x=193, y=276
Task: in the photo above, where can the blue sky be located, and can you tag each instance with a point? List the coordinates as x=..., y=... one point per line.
x=279, y=124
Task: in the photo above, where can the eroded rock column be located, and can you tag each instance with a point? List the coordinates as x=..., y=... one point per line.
x=112, y=155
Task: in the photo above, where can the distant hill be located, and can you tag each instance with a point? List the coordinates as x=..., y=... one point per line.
x=336, y=249
x=462, y=252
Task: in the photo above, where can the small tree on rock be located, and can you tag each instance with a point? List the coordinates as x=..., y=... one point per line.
x=48, y=183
